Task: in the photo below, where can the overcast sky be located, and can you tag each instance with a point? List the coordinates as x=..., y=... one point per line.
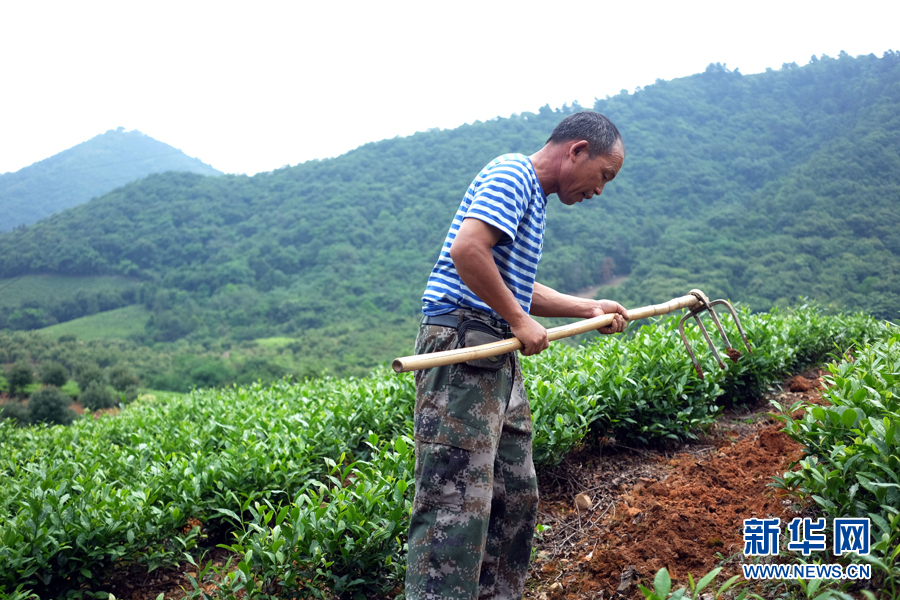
x=252, y=86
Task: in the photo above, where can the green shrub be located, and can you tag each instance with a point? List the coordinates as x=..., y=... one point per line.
x=15, y=410
x=851, y=445
x=53, y=373
x=211, y=372
x=18, y=377
x=851, y=465
x=86, y=374
x=121, y=378
x=49, y=405
x=129, y=395
x=346, y=539
x=97, y=396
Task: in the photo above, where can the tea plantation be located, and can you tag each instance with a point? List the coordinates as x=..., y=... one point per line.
x=311, y=484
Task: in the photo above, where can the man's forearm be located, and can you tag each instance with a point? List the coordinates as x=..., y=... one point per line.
x=547, y=302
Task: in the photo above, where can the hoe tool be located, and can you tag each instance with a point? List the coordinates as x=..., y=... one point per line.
x=695, y=301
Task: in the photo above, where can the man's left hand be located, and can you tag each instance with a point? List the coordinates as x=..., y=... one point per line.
x=605, y=307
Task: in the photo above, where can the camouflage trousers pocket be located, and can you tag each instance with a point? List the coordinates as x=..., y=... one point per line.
x=453, y=478
x=472, y=333
x=448, y=430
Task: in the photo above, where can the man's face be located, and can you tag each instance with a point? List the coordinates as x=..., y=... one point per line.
x=584, y=177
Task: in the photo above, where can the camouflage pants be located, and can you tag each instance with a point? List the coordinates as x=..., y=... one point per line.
x=476, y=490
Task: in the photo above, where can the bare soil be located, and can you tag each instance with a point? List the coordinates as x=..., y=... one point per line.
x=79, y=409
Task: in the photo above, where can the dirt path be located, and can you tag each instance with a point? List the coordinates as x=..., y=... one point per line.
x=682, y=510
x=590, y=292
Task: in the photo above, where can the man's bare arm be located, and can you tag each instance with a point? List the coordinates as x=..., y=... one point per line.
x=472, y=257
x=547, y=302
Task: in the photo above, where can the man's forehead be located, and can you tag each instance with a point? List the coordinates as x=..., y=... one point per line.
x=614, y=159
x=618, y=152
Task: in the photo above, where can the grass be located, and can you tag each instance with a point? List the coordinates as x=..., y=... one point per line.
x=15, y=290
x=119, y=323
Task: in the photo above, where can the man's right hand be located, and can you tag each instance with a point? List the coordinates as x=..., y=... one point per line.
x=532, y=334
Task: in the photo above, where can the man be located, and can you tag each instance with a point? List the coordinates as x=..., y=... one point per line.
x=476, y=497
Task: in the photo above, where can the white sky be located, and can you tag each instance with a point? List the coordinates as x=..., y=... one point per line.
x=252, y=86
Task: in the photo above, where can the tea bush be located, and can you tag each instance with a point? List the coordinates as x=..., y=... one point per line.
x=852, y=447
x=343, y=535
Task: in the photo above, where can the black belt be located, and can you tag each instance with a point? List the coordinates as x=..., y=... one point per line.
x=449, y=320
x=452, y=320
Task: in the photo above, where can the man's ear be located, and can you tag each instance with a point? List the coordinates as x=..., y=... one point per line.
x=577, y=148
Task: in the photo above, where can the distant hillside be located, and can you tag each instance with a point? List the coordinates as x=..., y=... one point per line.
x=760, y=188
x=85, y=171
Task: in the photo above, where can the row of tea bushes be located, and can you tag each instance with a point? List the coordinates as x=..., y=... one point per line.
x=851, y=463
x=642, y=386
x=75, y=501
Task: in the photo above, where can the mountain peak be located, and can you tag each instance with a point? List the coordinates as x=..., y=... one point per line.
x=87, y=170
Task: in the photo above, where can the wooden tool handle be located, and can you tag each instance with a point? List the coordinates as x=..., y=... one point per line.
x=451, y=357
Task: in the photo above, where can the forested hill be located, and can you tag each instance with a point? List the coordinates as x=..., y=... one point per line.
x=759, y=187
x=85, y=171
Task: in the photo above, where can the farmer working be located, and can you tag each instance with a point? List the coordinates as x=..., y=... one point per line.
x=476, y=490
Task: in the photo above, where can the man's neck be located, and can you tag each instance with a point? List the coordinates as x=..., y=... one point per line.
x=546, y=163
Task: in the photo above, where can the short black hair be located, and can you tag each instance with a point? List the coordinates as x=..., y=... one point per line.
x=599, y=132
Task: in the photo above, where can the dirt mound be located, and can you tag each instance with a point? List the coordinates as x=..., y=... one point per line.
x=697, y=512
x=801, y=384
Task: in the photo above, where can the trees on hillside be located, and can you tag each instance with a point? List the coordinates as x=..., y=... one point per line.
x=760, y=187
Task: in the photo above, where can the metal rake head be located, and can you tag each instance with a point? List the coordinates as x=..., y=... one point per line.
x=704, y=305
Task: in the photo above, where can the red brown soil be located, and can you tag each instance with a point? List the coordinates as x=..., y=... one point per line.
x=683, y=512
x=695, y=510
x=78, y=408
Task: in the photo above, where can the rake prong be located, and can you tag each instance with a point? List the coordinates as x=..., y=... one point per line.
x=728, y=349
x=702, y=305
x=708, y=340
x=688, y=346
x=740, y=328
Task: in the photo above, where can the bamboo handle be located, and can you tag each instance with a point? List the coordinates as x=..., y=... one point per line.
x=451, y=357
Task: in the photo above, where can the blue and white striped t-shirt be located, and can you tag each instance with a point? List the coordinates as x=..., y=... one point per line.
x=507, y=195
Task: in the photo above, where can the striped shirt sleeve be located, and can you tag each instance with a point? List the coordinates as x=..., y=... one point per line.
x=501, y=199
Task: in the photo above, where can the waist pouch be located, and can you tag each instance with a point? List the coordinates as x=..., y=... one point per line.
x=472, y=332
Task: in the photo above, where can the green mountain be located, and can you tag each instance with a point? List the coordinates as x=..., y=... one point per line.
x=85, y=171
x=759, y=187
